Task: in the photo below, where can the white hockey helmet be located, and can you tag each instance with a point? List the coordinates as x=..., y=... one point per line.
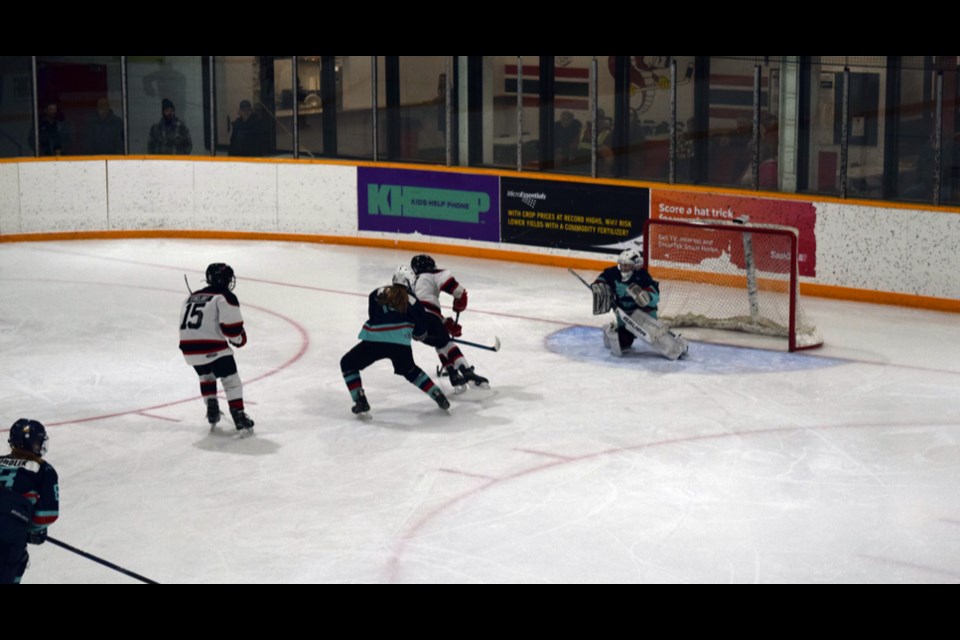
x=404, y=276
x=629, y=261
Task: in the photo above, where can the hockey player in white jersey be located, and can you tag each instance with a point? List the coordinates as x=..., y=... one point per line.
x=430, y=282
x=210, y=323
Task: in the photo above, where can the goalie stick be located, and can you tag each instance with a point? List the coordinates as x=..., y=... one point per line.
x=585, y=283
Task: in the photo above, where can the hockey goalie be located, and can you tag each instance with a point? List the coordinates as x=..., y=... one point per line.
x=629, y=290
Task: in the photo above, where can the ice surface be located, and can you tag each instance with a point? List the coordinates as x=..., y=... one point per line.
x=739, y=464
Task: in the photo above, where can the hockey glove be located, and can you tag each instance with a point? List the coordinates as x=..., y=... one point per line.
x=452, y=327
x=37, y=537
x=243, y=339
x=602, y=301
x=640, y=296
x=460, y=304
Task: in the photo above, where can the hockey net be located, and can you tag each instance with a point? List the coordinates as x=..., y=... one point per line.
x=738, y=277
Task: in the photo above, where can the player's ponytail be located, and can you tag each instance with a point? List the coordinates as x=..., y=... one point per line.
x=396, y=296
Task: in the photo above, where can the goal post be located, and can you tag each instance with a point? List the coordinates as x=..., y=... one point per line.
x=730, y=276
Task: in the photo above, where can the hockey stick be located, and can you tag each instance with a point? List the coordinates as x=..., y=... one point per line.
x=90, y=556
x=187, y=282
x=585, y=283
x=495, y=347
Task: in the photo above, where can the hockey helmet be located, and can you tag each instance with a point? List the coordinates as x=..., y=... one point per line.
x=220, y=275
x=28, y=435
x=404, y=276
x=629, y=261
x=422, y=263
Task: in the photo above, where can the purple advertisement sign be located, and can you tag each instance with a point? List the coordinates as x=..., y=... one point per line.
x=451, y=205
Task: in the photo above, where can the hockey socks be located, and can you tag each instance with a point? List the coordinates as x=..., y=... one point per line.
x=354, y=384
x=451, y=355
x=419, y=379
x=208, y=388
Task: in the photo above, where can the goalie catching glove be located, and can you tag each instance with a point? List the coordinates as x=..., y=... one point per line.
x=639, y=295
x=452, y=327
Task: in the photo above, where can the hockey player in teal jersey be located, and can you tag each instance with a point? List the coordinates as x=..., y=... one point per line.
x=633, y=294
x=395, y=317
x=29, y=497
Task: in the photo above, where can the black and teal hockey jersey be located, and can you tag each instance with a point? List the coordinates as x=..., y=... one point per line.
x=387, y=324
x=621, y=294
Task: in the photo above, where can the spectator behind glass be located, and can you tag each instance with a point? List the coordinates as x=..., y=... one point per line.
x=106, y=131
x=170, y=136
x=248, y=135
x=54, y=132
x=566, y=137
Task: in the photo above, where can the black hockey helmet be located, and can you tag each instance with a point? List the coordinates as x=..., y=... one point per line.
x=221, y=275
x=422, y=263
x=28, y=435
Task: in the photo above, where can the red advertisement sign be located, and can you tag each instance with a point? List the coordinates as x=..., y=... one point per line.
x=712, y=208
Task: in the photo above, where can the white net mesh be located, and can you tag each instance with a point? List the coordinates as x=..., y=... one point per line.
x=733, y=277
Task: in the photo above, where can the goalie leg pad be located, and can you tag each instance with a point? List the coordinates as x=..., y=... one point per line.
x=655, y=333
x=611, y=338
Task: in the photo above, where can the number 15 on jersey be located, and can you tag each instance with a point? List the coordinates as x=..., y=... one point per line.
x=192, y=315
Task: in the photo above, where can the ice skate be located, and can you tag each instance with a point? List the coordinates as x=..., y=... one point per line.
x=457, y=381
x=213, y=412
x=477, y=380
x=437, y=394
x=243, y=422
x=361, y=407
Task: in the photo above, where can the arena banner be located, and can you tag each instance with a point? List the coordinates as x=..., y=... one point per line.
x=451, y=205
x=586, y=217
x=712, y=207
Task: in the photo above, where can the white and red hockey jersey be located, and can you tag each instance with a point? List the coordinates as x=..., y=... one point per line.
x=429, y=284
x=210, y=322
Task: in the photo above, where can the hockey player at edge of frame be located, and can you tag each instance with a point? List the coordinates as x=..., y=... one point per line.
x=210, y=324
x=633, y=294
x=429, y=283
x=29, y=497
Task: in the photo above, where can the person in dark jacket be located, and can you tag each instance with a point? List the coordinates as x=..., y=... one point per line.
x=106, y=131
x=54, y=133
x=170, y=136
x=247, y=139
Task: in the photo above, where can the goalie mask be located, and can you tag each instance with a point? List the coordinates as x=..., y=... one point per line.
x=628, y=262
x=220, y=275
